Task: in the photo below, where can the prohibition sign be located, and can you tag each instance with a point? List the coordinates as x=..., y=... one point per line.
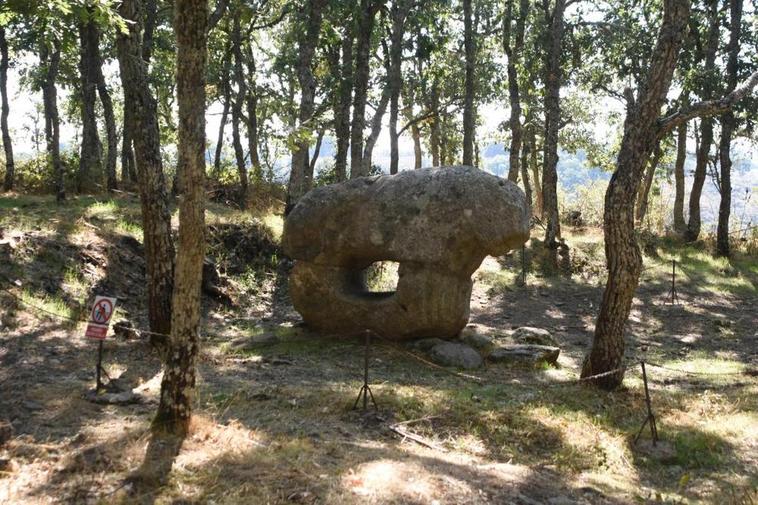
x=102, y=311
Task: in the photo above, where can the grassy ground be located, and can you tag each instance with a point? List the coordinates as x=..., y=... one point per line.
x=274, y=419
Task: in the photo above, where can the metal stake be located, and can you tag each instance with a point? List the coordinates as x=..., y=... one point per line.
x=650, y=417
x=99, y=385
x=523, y=265
x=673, y=297
x=365, y=391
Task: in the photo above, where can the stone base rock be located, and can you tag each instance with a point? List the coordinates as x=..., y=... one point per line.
x=525, y=354
x=530, y=335
x=455, y=355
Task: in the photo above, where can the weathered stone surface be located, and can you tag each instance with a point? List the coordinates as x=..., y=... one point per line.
x=455, y=355
x=439, y=224
x=425, y=344
x=527, y=354
x=531, y=335
x=477, y=337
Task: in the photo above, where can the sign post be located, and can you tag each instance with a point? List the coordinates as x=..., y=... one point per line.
x=97, y=328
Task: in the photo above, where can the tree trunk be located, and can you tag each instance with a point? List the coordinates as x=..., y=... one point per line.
x=10, y=167
x=51, y=63
x=706, y=127
x=301, y=178
x=239, y=153
x=90, y=160
x=434, y=127
x=534, y=166
x=514, y=55
x=368, y=10
x=252, y=122
x=727, y=127
x=342, y=107
x=623, y=258
x=469, y=112
x=552, y=126
x=525, y=151
x=178, y=384
x=644, y=191
x=156, y=219
x=316, y=150
x=376, y=129
x=239, y=78
x=221, y=127
x=399, y=12
x=680, y=226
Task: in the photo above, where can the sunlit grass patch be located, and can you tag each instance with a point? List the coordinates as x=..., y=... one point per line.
x=706, y=365
x=49, y=307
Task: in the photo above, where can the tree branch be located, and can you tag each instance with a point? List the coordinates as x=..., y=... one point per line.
x=707, y=107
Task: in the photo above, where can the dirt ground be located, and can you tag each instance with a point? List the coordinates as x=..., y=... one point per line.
x=274, y=420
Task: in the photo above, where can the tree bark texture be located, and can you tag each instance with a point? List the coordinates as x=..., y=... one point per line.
x=552, y=126
x=398, y=14
x=434, y=126
x=706, y=125
x=342, y=107
x=221, y=127
x=525, y=152
x=50, y=61
x=178, y=383
x=252, y=121
x=623, y=257
x=239, y=99
x=366, y=17
x=680, y=224
x=644, y=191
x=156, y=219
x=534, y=166
x=301, y=177
x=513, y=52
x=110, y=123
x=90, y=159
x=469, y=112
x=727, y=127
x=10, y=166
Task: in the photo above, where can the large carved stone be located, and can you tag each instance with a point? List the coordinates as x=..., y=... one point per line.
x=438, y=224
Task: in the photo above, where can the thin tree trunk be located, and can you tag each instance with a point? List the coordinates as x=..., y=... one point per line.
x=342, y=108
x=398, y=13
x=159, y=247
x=706, y=128
x=680, y=225
x=434, y=127
x=239, y=153
x=469, y=112
x=301, y=177
x=552, y=126
x=221, y=127
x=624, y=261
x=90, y=160
x=252, y=121
x=178, y=383
x=316, y=150
x=376, y=129
x=108, y=115
x=538, y=203
x=417, y=153
x=10, y=167
x=514, y=56
x=525, y=151
x=368, y=10
x=239, y=78
x=644, y=191
x=727, y=127
x=51, y=62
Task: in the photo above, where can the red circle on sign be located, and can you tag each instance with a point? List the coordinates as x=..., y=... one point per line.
x=101, y=312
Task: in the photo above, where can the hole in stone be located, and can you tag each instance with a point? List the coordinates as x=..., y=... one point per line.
x=380, y=278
